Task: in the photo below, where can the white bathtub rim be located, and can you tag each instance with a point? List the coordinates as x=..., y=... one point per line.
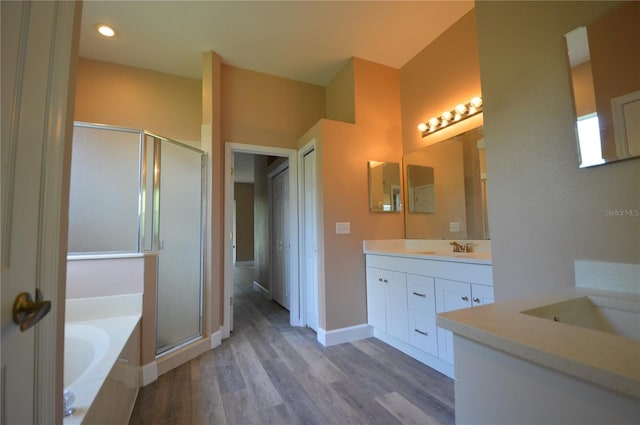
x=119, y=329
x=98, y=339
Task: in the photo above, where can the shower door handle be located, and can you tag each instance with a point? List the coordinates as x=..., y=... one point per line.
x=161, y=244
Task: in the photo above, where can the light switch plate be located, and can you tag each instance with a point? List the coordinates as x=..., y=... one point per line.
x=343, y=228
x=454, y=226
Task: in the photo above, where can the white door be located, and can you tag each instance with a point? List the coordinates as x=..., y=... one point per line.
x=37, y=46
x=310, y=230
x=280, y=238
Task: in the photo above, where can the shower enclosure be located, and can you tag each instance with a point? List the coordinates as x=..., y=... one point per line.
x=133, y=192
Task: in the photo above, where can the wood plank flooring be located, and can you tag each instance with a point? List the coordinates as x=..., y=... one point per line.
x=268, y=372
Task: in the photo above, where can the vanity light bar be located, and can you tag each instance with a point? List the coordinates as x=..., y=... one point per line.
x=457, y=114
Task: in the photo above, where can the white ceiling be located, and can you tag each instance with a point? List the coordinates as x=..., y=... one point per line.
x=308, y=41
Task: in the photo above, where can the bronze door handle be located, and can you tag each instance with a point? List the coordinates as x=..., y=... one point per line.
x=27, y=312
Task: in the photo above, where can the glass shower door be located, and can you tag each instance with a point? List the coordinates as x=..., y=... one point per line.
x=179, y=296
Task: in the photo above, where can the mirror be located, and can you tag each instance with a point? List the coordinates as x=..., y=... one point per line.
x=421, y=190
x=456, y=168
x=605, y=75
x=384, y=187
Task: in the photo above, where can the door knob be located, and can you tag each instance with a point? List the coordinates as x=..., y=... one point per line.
x=27, y=312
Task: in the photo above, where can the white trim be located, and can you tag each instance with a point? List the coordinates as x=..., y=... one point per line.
x=619, y=121
x=258, y=287
x=304, y=320
x=342, y=335
x=291, y=155
x=148, y=373
x=216, y=339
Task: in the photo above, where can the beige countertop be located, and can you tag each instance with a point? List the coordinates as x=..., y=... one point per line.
x=429, y=250
x=598, y=357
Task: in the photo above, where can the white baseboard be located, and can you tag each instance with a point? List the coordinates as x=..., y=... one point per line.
x=216, y=338
x=173, y=359
x=148, y=373
x=342, y=335
x=258, y=287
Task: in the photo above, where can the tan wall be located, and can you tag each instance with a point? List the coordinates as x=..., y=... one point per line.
x=243, y=193
x=345, y=149
x=544, y=212
x=341, y=96
x=444, y=74
x=264, y=110
x=124, y=96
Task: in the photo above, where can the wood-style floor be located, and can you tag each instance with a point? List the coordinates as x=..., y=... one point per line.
x=268, y=372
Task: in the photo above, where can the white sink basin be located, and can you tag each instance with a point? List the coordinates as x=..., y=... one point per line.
x=602, y=314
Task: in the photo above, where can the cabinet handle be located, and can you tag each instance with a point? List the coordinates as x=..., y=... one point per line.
x=386, y=281
x=379, y=279
x=419, y=294
x=465, y=298
x=422, y=332
x=476, y=300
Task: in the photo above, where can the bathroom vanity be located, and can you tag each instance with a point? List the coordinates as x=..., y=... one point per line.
x=410, y=281
x=571, y=357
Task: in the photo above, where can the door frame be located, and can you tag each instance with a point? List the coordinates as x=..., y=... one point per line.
x=304, y=285
x=292, y=156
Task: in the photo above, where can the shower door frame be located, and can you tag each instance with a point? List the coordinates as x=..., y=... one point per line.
x=154, y=248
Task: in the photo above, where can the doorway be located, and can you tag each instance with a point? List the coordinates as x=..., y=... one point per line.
x=290, y=265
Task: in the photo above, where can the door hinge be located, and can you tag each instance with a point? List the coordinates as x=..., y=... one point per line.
x=231, y=171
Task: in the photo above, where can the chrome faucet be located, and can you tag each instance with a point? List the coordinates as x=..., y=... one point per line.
x=458, y=247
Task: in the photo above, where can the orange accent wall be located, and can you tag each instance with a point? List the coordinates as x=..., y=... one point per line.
x=444, y=74
x=343, y=150
x=261, y=109
x=118, y=95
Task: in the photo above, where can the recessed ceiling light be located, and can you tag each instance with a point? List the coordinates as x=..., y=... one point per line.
x=106, y=31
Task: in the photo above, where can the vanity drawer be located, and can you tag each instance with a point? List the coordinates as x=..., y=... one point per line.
x=422, y=332
x=421, y=294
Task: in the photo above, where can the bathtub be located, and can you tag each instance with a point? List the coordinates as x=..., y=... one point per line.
x=101, y=360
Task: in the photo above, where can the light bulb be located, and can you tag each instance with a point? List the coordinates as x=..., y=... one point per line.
x=461, y=109
x=457, y=117
x=106, y=31
x=434, y=122
x=446, y=115
x=476, y=101
x=472, y=110
x=422, y=127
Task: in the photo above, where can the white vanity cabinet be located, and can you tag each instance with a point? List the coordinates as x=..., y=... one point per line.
x=387, y=302
x=404, y=295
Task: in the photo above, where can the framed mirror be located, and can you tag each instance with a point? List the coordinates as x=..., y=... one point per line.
x=384, y=187
x=456, y=170
x=421, y=189
x=605, y=75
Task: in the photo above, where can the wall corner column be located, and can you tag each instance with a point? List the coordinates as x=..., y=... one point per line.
x=213, y=145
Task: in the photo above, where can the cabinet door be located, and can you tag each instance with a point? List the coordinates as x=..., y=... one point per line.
x=376, y=299
x=450, y=295
x=421, y=294
x=422, y=332
x=397, y=312
x=481, y=295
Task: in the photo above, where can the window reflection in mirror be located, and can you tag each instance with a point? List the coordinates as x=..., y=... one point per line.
x=384, y=187
x=605, y=74
x=459, y=205
x=420, y=184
